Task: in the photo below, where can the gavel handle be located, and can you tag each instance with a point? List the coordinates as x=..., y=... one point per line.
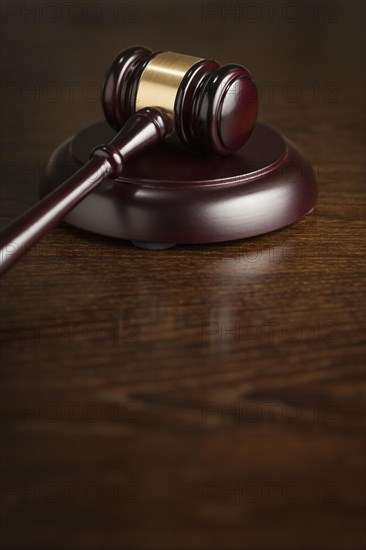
x=143, y=130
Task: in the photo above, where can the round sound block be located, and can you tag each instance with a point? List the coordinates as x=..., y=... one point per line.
x=169, y=196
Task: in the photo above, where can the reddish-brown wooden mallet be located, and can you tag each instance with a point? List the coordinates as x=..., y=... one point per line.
x=147, y=96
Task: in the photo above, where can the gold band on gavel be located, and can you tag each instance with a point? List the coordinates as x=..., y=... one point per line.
x=161, y=79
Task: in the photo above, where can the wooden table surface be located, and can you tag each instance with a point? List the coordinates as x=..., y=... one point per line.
x=203, y=397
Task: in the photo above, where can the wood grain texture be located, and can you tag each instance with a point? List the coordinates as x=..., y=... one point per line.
x=203, y=397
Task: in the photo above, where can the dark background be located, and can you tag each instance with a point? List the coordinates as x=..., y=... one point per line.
x=204, y=397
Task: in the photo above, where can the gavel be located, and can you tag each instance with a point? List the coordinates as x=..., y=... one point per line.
x=146, y=97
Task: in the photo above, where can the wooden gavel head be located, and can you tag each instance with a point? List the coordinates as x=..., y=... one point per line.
x=211, y=108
